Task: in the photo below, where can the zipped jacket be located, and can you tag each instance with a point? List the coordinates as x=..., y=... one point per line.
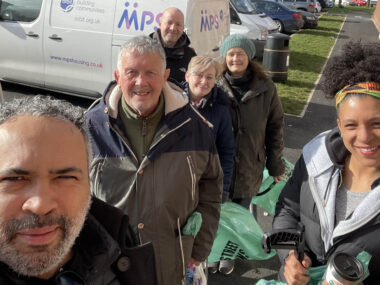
x=105, y=253
x=309, y=197
x=179, y=175
x=215, y=109
x=258, y=122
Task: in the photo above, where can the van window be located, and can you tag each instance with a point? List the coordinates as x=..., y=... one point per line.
x=19, y=10
x=234, y=17
x=243, y=6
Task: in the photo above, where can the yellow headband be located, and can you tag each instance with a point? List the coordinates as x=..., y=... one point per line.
x=368, y=88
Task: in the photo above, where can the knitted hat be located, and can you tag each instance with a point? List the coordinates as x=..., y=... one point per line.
x=240, y=41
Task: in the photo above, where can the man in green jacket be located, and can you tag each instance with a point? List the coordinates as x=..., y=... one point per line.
x=155, y=158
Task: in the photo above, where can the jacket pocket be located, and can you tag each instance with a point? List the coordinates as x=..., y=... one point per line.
x=261, y=156
x=192, y=176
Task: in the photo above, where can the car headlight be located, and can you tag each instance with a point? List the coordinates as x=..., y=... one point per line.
x=264, y=34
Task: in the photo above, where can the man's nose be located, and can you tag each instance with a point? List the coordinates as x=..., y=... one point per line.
x=140, y=79
x=41, y=199
x=172, y=27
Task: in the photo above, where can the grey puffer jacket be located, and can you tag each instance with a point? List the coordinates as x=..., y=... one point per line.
x=258, y=122
x=309, y=197
x=180, y=174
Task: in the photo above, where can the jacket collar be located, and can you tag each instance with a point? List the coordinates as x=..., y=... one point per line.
x=216, y=96
x=174, y=96
x=258, y=87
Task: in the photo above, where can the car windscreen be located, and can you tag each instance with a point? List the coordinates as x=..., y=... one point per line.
x=244, y=6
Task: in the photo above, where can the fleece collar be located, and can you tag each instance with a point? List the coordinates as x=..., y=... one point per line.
x=174, y=96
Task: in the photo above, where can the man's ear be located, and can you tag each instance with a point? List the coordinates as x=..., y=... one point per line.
x=166, y=74
x=117, y=75
x=187, y=75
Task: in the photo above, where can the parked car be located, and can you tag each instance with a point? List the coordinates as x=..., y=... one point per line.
x=318, y=7
x=360, y=2
x=372, y=3
x=330, y=4
x=310, y=20
x=348, y=2
x=304, y=5
x=288, y=20
x=247, y=20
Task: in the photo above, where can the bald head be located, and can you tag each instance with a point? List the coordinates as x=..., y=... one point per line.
x=171, y=26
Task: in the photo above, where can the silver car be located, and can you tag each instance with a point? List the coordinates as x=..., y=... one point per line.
x=304, y=5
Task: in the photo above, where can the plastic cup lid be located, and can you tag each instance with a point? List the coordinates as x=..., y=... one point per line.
x=348, y=267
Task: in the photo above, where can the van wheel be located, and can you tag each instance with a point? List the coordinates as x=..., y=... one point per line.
x=280, y=26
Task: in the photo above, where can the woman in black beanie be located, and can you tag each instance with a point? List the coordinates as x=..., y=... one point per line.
x=257, y=119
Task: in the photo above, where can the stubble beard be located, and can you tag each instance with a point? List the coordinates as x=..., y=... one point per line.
x=39, y=259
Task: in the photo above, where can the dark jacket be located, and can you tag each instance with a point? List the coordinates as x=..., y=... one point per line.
x=258, y=122
x=309, y=197
x=104, y=253
x=180, y=174
x=215, y=109
x=177, y=57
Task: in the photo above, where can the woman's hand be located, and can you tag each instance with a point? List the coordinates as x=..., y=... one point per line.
x=294, y=271
x=279, y=178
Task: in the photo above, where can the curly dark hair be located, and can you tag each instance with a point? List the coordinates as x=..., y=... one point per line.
x=357, y=63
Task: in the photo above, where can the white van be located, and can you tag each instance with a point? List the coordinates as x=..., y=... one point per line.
x=71, y=46
x=245, y=19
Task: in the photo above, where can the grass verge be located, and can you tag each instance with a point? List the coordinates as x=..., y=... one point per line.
x=308, y=52
x=350, y=9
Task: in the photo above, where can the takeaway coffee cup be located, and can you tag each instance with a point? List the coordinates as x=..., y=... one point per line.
x=344, y=269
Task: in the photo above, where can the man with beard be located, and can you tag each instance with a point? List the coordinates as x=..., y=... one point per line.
x=48, y=235
x=175, y=42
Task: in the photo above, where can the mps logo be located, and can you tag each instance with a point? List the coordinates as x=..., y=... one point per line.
x=67, y=5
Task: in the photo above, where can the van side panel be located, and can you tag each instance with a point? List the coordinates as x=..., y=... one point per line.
x=78, y=45
x=206, y=22
x=208, y=26
x=21, y=40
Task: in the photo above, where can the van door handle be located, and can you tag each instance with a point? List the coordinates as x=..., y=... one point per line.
x=32, y=35
x=55, y=37
x=215, y=49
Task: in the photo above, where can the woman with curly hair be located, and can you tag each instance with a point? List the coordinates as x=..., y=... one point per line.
x=335, y=188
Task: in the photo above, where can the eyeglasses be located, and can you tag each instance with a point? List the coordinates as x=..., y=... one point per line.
x=200, y=75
